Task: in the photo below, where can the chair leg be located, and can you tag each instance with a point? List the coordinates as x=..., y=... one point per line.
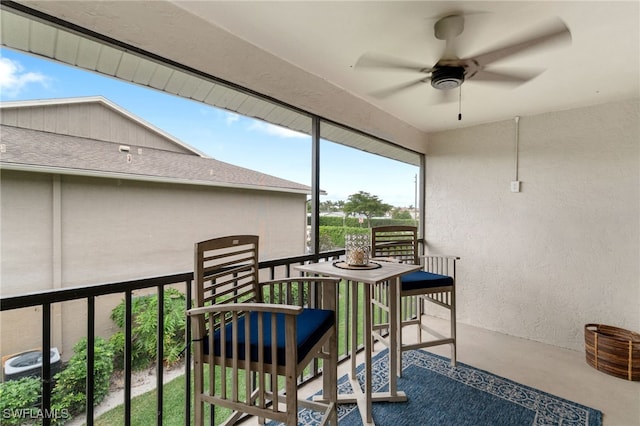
x=198, y=389
x=330, y=378
x=420, y=313
x=453, y=328
x=291, y=387
x=330, y=371
x=398, y=325
x=354, y=320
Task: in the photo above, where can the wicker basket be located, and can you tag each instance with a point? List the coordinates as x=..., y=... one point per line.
x=613, y=350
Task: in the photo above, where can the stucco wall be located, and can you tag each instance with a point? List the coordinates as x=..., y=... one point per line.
x=565, y=251
x=110, y=230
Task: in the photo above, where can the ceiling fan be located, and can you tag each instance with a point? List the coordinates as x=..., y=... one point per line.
x=451, y=71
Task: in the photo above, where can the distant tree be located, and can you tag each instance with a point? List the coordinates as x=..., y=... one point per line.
x=331, y=206
x=365, y=204
x=401, y=214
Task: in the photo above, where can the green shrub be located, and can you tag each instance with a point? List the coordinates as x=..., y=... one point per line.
x=354, y=222
x=69, y=393
x=144, y=328
x=350, y=222
x=17, y=398
x=386, y=222
x=334, y=235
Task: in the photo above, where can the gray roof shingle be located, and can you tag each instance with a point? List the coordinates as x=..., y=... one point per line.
x=33, y=149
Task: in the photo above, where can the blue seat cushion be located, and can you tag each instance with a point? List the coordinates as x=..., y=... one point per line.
x=424, y=280
x=311, y=325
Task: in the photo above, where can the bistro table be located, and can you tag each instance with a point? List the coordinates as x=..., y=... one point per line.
x=368, y=277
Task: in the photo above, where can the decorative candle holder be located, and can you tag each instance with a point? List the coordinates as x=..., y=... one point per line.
x=357, y=248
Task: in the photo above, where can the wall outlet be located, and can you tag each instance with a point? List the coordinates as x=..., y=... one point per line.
x=515, y=186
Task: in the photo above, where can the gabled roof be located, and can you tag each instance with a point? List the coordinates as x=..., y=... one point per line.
x=107, y=104
x=38, y=151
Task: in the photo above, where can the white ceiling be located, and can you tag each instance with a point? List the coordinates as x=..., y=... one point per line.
x=326, y=38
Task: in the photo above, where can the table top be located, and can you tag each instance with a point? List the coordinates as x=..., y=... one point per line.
x=387, y=271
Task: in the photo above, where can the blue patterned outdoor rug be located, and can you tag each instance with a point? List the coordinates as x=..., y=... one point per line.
x=441, y=395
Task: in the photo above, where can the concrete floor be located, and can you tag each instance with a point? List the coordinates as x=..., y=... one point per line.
x=555, y=370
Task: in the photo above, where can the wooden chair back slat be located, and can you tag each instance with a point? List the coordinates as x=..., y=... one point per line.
x=226, y=270
x=397, y=242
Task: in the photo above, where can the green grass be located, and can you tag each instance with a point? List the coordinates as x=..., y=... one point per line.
x=143, y=407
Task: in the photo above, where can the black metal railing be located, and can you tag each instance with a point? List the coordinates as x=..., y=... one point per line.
x=45, y=300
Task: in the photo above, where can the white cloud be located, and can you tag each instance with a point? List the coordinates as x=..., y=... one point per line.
x=274, y=130
x=14, y=79
x=232, y=118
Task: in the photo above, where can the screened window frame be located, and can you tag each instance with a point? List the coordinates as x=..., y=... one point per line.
x=28, y=30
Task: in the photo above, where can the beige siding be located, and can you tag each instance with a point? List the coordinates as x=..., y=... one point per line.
x=115, y=230
x=26, y=222
x=92, y=120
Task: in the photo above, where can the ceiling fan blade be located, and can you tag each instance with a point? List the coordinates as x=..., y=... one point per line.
x=553, y=33
x=371, y=60
x=511, y=77
x=393, y=90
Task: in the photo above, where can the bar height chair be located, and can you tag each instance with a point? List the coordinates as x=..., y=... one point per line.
x=435, y=283
x=252, y=333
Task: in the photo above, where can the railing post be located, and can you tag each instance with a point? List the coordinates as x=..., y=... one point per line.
x=127, y=357
x=160, y=356
x=89, y=388
x=46, y=364
x=187, y=358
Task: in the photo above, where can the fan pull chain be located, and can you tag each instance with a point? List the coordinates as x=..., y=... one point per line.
x=460, y=104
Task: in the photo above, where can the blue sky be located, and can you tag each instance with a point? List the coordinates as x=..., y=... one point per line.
x=218, y=133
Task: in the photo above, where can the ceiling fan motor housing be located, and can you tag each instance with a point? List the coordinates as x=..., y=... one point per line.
x=447, y=77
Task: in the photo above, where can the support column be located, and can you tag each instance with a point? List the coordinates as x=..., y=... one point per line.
x=56, y=253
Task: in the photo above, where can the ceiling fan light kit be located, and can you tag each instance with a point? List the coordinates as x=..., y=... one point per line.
x=446, y=77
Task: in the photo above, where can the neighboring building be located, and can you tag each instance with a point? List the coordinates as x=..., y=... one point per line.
x=91, y=194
